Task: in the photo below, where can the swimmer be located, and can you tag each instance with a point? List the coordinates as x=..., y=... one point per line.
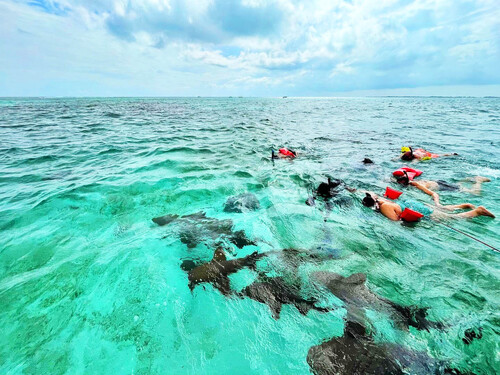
x=419, y=154
x=445, y=186
x=283, y=153
x=327, y=190
x=393, y=211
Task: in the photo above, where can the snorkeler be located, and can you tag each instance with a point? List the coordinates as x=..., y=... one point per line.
x=327, y=190
x=394, y=211
x=409, y=154
x=441, y=185
x=283, y=153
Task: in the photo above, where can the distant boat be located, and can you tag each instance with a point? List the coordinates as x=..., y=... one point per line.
x=285, y=97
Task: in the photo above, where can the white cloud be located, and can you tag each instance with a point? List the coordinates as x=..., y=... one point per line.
x=313, y=45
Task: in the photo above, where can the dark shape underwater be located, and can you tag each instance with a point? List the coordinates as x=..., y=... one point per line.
x=356, y=353
x=216, y=271
x=275, y=292
x=196, y=228
x=357, y=297
x=242, y=203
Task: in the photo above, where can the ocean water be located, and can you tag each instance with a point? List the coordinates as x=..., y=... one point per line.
x=89, y=284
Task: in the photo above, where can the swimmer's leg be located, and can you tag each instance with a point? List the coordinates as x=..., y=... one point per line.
x=477, y=184
x=479, y=211
x=463, y=206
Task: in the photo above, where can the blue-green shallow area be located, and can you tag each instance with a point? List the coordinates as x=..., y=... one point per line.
x=89, y=284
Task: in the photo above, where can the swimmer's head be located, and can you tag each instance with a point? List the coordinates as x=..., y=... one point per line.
x=333, y=183
x=408, y=155
x=404, y=180
x=368, y=200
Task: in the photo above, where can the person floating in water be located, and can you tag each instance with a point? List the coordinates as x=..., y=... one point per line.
x=283, y=153
x=430, y=187
x=409, y=154
x=327, y=190
x=393, y=210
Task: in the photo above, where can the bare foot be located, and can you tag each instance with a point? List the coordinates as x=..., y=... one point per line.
x=484, y=212
x=469, y=206
x=481, y=179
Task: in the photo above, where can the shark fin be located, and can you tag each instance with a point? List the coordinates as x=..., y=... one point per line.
x=219, y=255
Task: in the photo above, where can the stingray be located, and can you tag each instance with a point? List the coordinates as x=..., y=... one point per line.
x=216, y=271
x=275, y=292
x=356, y=353
x=357, y=297
x=242, y=203
x=196, y=228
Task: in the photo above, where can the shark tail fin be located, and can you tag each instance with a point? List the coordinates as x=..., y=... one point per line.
x=219, y=255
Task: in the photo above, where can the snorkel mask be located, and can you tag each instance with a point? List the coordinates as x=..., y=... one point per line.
x=404, y=180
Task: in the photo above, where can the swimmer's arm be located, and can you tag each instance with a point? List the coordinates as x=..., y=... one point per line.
x=433, y=194
x=389, y=212
x=421, y=187
x=348, y=188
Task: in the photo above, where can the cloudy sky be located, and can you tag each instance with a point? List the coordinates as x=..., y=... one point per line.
x=249, y=47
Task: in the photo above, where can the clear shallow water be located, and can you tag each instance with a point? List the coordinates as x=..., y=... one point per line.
x=88, y=283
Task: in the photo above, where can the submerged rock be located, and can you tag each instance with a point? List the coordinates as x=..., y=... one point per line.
x=242, y=203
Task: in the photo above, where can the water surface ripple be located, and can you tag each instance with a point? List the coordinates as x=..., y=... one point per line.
x=89, y=284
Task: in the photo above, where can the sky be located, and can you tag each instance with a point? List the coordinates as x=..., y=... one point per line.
x=249, y=47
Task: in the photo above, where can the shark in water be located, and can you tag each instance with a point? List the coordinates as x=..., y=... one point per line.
x=357, y=297
x=196, y=228
x=216, y=271
x=356, y=353
x=275, y=292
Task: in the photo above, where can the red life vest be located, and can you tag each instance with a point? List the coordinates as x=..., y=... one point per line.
x=410, y=215
x=286, y=152
x=412, y=173
x=391, y=193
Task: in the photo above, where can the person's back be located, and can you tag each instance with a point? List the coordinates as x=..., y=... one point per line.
x=390, y=210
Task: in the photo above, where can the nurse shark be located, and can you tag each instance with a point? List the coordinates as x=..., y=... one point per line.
x=357, y=297
x=197, y=227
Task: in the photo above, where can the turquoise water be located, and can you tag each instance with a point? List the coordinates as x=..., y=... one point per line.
x=89, y=284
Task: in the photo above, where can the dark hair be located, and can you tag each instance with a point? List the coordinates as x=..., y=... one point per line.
x=405, y=180
x=408, y=155
x=333, y=183
x=368, y=200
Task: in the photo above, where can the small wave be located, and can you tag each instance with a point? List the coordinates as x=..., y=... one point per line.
x=201, y=150
x=40, y=159
x=110, y=151
x=242, y=174
x=112, y=115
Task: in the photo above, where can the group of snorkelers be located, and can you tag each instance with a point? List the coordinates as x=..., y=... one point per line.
x=395, y=210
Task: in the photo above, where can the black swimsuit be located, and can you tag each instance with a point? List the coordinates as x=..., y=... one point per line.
x=446, y=186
